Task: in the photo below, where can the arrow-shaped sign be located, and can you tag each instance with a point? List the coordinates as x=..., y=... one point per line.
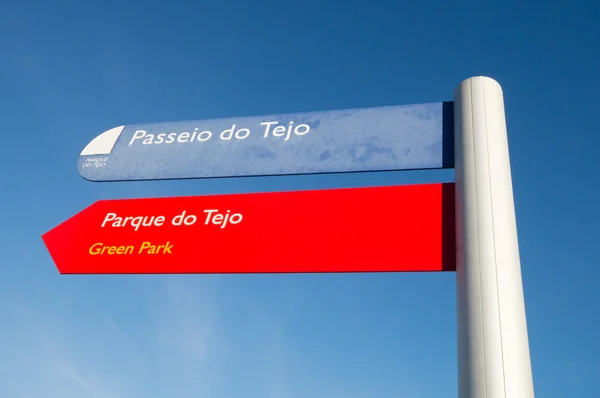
x=401, y=228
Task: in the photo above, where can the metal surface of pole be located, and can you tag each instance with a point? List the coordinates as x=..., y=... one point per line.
x=493, y=347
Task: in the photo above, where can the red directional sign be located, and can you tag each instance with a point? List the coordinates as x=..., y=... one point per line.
x=398, y=228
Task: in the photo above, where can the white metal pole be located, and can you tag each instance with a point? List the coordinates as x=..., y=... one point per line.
x=493, y=346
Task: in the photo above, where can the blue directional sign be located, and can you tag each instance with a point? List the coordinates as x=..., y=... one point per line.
x=354, y=140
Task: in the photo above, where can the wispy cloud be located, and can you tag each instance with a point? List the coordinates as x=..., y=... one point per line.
x=104, y=354
x=169, y=336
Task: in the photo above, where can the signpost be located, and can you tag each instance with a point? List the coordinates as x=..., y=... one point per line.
x=354, y=140
x=408, y=228
x=398, y=228
x=493, y=347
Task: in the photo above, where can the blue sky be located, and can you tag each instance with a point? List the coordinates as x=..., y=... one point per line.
x=72, y=69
